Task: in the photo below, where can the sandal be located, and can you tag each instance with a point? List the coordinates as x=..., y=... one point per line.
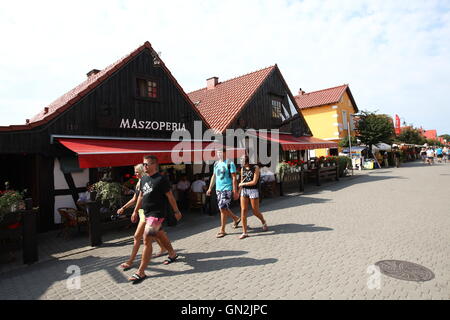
x=126, y=266
x=170, y=260
x=243, y=236
x=221, y=235
x=236, y=223
x=135, y=278
x=264, y=227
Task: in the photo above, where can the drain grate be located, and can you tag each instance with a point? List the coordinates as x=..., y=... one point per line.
x=404, y=270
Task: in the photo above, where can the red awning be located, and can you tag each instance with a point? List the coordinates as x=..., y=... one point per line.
x=96, y=153
x=289, y=142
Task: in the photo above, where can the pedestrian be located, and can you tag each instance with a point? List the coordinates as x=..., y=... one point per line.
x=249, y=191
x=423, y=154
x=224, y=178
x=139, y=234
x=154, y=189
x=445, y=152
x=439, y=154
x=430, y=156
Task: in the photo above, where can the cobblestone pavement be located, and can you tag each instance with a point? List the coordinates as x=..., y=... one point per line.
x=319, y=246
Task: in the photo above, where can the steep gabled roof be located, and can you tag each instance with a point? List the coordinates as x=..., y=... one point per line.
x=67, y=100
x=220, y=106
x=324, y=97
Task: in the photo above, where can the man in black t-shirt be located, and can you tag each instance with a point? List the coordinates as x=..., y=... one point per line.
x=154, y=190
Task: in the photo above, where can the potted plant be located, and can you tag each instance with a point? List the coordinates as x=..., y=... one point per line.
x=11, y=202
x=321, y=161
x=108, y=193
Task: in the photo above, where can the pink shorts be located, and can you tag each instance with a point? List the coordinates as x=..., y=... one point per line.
x=153, y=225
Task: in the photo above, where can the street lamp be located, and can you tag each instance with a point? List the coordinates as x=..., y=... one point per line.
x=350, y=138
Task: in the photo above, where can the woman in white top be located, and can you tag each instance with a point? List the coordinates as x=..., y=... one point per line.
x=138, y=235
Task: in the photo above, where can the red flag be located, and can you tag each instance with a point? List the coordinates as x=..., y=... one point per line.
x=397, y=124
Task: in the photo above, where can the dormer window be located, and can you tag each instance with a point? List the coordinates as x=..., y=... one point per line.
x=146, y=88
x=276, y=109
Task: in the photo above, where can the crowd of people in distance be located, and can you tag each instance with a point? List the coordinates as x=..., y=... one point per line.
x=430, y=154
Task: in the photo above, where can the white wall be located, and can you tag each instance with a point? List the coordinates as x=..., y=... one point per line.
x=80, y=179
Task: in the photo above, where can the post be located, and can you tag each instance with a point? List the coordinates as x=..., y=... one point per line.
x=318, y=175
x=302, y=181
x=95, y=227
x=29, y=236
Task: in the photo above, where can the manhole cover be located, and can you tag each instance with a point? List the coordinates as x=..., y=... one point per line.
x=404, y=270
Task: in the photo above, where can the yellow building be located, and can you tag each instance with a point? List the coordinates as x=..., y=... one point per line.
x=328, y=114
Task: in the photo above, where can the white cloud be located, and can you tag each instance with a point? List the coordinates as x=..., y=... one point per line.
x=394, y=54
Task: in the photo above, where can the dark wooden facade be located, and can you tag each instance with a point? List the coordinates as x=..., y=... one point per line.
x=257, y=114
x=28, y=156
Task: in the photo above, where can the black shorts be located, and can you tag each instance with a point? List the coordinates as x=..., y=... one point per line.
x=440, y=155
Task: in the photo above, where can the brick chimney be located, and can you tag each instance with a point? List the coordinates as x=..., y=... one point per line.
x=301, y=92
x=211, y=83
x=92, y=72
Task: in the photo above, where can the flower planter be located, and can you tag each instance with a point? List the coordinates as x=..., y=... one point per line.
x=10, y=232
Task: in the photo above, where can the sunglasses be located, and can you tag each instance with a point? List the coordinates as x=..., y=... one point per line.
x=145, y=164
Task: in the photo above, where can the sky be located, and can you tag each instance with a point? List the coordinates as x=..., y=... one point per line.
x=395, y=55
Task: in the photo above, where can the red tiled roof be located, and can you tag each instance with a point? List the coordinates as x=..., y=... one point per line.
x=67, y=100
x=431, y=134
x=323, y=97
x=220, y=106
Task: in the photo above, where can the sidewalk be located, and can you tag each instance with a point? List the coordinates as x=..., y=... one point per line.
x=52, y=247
x=319, y=246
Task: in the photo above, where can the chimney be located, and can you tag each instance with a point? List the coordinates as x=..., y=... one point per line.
x=45, y=110
x=211, y=83
x=301, y=92
x=92, y=72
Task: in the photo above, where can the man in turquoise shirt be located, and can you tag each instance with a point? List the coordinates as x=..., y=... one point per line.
x=224, y=177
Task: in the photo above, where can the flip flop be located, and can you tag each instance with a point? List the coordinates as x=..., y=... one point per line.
x=125, y=266
x=243, y=236
x=264, y=227
x=135, y=278
x=170, y=260
x=236, y=223
x=221, y=235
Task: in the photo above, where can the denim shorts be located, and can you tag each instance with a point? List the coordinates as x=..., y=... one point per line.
x=224, y=199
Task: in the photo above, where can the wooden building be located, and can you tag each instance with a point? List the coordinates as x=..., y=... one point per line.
x=117, y=115
x=259, y=100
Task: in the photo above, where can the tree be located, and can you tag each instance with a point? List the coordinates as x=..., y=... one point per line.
x=411, y=135
x=373, y=128
x=344, y=142
x=432, y=142
x=446, y=137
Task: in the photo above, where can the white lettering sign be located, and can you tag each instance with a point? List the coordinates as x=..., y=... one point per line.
x=151, y=125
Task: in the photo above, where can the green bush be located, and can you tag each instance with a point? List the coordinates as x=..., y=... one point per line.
x=109, y=193
x=343, y=162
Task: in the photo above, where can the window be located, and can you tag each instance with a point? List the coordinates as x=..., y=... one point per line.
x=146, y=88
x=276, y=109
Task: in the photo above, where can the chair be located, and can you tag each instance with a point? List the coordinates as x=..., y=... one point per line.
x=72, y=218
x=197, y=200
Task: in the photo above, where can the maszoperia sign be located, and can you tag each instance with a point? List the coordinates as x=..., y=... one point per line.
x=151, y=125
